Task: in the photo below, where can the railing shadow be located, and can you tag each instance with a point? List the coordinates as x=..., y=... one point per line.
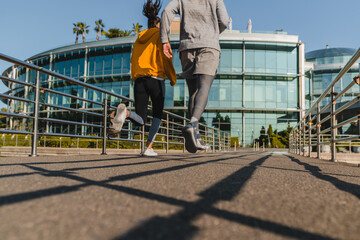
x=351, y=188
x=179, y=225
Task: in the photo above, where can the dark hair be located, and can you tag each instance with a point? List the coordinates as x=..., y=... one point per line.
x=151, y=10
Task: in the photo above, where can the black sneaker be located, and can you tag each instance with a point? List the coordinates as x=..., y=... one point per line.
x=188, y=133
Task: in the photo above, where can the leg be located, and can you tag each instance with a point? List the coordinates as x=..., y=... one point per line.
x=156, y=89
x=135, y=118
x=141, y=99
x=157, y=94
x=192, y=87
x=204, y=83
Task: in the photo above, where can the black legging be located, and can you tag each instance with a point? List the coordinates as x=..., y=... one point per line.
x=199, y=89
x=145, y=87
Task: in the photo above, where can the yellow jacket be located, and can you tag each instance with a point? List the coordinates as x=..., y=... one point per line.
x=148, y=59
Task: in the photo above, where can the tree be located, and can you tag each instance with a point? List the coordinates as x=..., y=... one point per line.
x=126, y=33
x=270, y=131
x=136, y=28
x=99, y=28
x=76, y=30
x=83, y=29
x=221, y=122
x=113, y=33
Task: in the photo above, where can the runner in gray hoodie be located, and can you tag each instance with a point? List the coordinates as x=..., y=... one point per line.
x=201, y=22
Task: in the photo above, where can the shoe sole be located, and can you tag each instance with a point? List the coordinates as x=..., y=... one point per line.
x=112, y=133
x=119, y=120
x=189, y=141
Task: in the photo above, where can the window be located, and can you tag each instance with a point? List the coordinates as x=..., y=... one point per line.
x=99, y=65
x=126, y=62
x=108, y=64
x=117, y=63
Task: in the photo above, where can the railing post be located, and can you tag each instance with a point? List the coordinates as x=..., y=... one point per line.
x=300, y=138
x=219, y=139
x=318, y=128
x=105, y=125
x=224, y=141
x=229, y=142
x=167, y=133
x=206, y=138
x=36, y=116
x=309, y=127
x=303, y=136
x=213, y=139
x=143, y=137
x=332, y=124
x=184, y=124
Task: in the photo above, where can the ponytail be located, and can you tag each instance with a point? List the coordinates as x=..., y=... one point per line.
x=151, y=10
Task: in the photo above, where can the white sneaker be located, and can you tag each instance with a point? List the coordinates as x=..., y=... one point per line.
x=200, y=144
x=149, y=152
x=120, y=117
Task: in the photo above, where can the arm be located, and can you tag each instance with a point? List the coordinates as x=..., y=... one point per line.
x=167, y=64
x=169, y=69
x=166, y=18
x=222, y=15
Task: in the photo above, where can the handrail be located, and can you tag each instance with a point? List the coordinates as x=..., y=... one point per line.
x=342, y=72
x=303, y=134
x=173, y=122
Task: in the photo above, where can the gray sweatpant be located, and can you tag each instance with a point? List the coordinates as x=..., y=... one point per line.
x=199, y=69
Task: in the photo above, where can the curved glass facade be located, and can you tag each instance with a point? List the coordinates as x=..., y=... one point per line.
x=327, y=64
x=258, y=81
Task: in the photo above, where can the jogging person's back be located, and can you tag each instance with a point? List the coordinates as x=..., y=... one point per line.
x=201, y=22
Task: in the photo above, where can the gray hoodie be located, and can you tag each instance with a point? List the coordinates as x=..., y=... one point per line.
x=201, y=22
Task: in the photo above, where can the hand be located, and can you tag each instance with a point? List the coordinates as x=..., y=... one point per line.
x=167, y=50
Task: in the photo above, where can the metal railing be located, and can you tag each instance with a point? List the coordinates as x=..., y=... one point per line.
x=319, y=126
x=42, y=102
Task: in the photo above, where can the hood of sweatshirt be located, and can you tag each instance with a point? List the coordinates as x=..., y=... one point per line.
x=147, y=34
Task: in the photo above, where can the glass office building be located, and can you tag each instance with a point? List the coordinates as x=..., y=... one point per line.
x=327, y=63
x=260, y=80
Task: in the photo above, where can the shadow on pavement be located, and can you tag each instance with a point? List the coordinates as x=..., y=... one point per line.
x=179, y=225
x=351, y=188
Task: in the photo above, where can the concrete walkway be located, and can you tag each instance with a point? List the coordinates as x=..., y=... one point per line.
x=235, y=195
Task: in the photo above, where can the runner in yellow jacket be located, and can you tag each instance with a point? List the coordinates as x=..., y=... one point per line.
x=149, y=68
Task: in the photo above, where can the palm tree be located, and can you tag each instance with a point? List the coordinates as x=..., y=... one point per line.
x=99, y=28
x=76, y=30
x=126, y=33
x=136, y=28
x=83, y=29
x=113, y=33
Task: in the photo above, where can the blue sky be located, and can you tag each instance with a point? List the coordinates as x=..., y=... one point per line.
x=32, y=26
